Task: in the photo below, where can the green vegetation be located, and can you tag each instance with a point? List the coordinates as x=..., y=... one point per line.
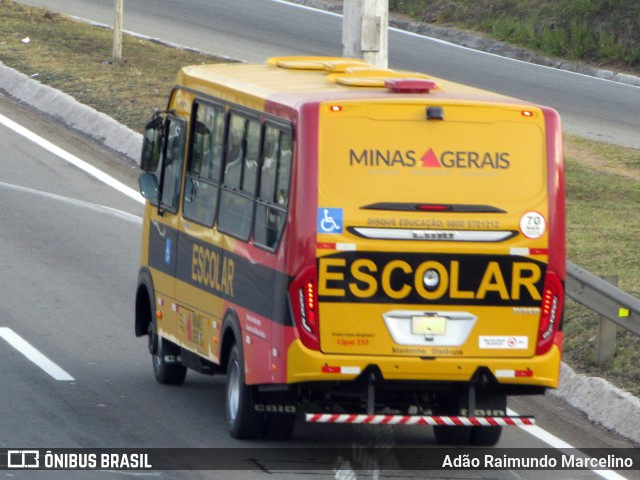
x=75, y=58
x=602, y=32
x=603, y=227
x=603, y=181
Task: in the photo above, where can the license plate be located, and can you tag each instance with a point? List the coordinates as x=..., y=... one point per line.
x=428, y=325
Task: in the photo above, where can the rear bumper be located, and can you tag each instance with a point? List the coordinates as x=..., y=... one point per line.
x=304, y=365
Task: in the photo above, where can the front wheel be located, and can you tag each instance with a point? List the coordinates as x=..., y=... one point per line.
x=242, y=420
x=165, y=356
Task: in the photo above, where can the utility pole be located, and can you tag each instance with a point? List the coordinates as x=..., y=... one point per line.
x=117, y=32
x=365, y=30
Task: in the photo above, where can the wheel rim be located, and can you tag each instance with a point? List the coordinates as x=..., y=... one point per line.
x=157, y=357
x=233, y=390
x=157, y=360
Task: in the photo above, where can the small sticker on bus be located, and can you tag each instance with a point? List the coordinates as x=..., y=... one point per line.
x=167, y=252
x=504, y=342
x=533, y=225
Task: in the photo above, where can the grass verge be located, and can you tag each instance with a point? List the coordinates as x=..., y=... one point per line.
x=74, y=57
x=603, y=181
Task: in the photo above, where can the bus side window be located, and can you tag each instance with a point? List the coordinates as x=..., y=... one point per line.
x=284, y=169
x=240, y=175
x=273, y=196
x=250, y=168
x=203, y=171
x=234, y=153
x=269, y=164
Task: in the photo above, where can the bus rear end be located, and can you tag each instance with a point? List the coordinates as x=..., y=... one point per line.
x=437, y=288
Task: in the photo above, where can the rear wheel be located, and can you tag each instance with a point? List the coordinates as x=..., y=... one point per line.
x=450, y=435
x=485, y=436
x=487, y=405
x=278, y=427
x=493, y=405
x=165, y=357
x=242, y=420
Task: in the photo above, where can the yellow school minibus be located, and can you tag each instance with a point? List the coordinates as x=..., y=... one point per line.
x=353, y=245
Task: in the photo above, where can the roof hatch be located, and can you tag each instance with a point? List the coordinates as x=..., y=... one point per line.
x=331, y=64
x=355, y=72
x=395, y=81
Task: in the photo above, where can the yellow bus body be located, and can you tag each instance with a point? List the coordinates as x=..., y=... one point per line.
x=420, y=239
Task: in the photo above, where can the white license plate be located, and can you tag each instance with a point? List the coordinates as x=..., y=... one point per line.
x=428, y=325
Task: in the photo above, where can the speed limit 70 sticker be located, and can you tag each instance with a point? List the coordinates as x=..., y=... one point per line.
x=533, y=225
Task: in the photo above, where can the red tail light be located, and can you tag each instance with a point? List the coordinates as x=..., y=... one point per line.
x=303, y=293
x=550, y=312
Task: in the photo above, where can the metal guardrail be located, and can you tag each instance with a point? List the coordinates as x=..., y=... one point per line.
x=603, y=298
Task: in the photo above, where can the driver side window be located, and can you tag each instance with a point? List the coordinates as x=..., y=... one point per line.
x=162, y=159
x=172, y=164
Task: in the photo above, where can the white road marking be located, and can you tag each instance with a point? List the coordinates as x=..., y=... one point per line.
x=560, y=444
x=34, y=355
x=72, y=159
x=80, y=203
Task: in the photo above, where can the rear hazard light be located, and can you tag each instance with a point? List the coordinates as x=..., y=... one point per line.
x=303, y=294
x=550, y=312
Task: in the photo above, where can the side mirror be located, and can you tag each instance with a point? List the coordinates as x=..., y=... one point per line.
x=148, y=184
x=152, y=144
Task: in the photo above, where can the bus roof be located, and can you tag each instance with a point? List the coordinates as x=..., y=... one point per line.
x=293, y=81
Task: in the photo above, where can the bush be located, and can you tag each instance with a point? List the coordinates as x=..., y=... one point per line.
x=601, y=31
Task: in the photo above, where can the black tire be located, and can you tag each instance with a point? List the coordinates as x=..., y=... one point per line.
x=450, y=435
x=485, y=436
x=487, y=404
x=278, y=427
x=242, y=420
x=489, y=436
x=164, y=356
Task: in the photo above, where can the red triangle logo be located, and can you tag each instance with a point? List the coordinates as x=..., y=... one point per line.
x=429, y=159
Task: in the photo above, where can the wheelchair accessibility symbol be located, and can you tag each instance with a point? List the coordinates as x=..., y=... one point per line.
x=329, y=220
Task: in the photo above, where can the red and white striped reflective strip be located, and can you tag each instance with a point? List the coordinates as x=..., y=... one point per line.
x=525, y=252
x=513, y=373
x=420, y=420
x=347, y=247
x=341, y=369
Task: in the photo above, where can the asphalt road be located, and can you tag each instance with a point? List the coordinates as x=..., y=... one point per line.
x=254, y=30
